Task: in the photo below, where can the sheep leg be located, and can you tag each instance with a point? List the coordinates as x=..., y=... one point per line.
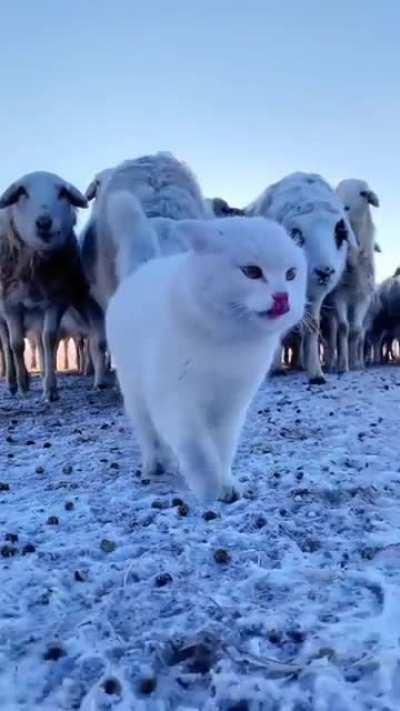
x=2, y=362
x=312, y=360
x=40, y=355
x=332, y=344
x=378, y=349
x=97, y=343
x=343, y=337
x=51, y=325
x=8, y=360
x=87, y=359
x=33, y=347
x=296, y=359
x=16, y=330
x=357, y=334
x=78, y=341
x=65, y=345
x=276, y=367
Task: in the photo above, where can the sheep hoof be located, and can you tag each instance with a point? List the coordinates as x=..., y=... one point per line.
x=101, y=386
x=12, y=388
x=51, y=396
x=277, y=372
x=319, y=380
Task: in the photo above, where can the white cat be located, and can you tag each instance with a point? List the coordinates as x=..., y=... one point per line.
x=193, y=336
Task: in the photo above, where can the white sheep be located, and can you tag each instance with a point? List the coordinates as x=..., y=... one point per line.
x=40, y=267
x=166, y=189
x=383, y=318
x=347, y=305
x=314, y=216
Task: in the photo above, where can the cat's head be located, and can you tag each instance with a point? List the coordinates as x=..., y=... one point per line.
x=247, y=272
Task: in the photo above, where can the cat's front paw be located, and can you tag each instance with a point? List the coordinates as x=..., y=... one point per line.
x=153, y=472
x=229, y=494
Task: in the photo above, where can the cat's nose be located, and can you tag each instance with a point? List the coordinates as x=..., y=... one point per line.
x=281, y=298
x=280, y=304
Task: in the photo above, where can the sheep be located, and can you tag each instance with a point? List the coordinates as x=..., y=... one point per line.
x=382, y=322
x=41, y=274
x=167, y=190
x=347, y=305
x=221, y=208
x=315, y=217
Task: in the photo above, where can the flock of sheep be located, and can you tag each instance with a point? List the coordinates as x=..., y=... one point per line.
x=55, y=285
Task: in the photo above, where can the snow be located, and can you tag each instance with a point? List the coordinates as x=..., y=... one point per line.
x=304, y=615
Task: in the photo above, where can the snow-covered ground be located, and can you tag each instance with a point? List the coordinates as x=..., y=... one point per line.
x=113, y=595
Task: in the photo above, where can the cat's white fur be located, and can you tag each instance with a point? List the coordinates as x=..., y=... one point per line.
x=192, y=342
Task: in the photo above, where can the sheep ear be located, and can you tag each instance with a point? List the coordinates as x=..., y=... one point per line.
x=91, y=190
x=73, y=195
x=371, y=197
x=377, y=248
x=199, y=235
x=12, y=195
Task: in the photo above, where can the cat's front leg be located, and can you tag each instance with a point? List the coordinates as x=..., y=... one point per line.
x=225, y=436
x=155, y=459
x=200, y=465
x=229, y=491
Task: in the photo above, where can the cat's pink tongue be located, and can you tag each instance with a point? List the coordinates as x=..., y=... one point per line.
x=280, y=305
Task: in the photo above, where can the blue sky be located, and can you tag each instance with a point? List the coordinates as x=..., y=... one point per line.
x=245, y=92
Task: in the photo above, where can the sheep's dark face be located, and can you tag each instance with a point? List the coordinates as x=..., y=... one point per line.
x=42, y=208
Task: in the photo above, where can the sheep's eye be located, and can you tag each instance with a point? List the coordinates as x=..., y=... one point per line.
x=252, y=271
x=297, y=236
x=347, y=208
x=341, y=233
x=291, y=274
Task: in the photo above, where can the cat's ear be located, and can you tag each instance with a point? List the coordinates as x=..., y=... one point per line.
x=201, y=236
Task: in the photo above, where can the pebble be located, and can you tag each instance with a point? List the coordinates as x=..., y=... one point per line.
x=163, y=579
x=222, y=556
x=147, y=685
x=29, y=548
x=8, y=551
x=112, y=686
x=107, y=546
x=160, y=504
x=210, y=515
x=54, y=653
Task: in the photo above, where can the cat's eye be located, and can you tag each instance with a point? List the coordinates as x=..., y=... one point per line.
x=297, y=236
x=252, y=271
x=291, y=274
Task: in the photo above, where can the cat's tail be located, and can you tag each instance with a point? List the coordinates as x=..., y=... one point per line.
x=133, y=236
